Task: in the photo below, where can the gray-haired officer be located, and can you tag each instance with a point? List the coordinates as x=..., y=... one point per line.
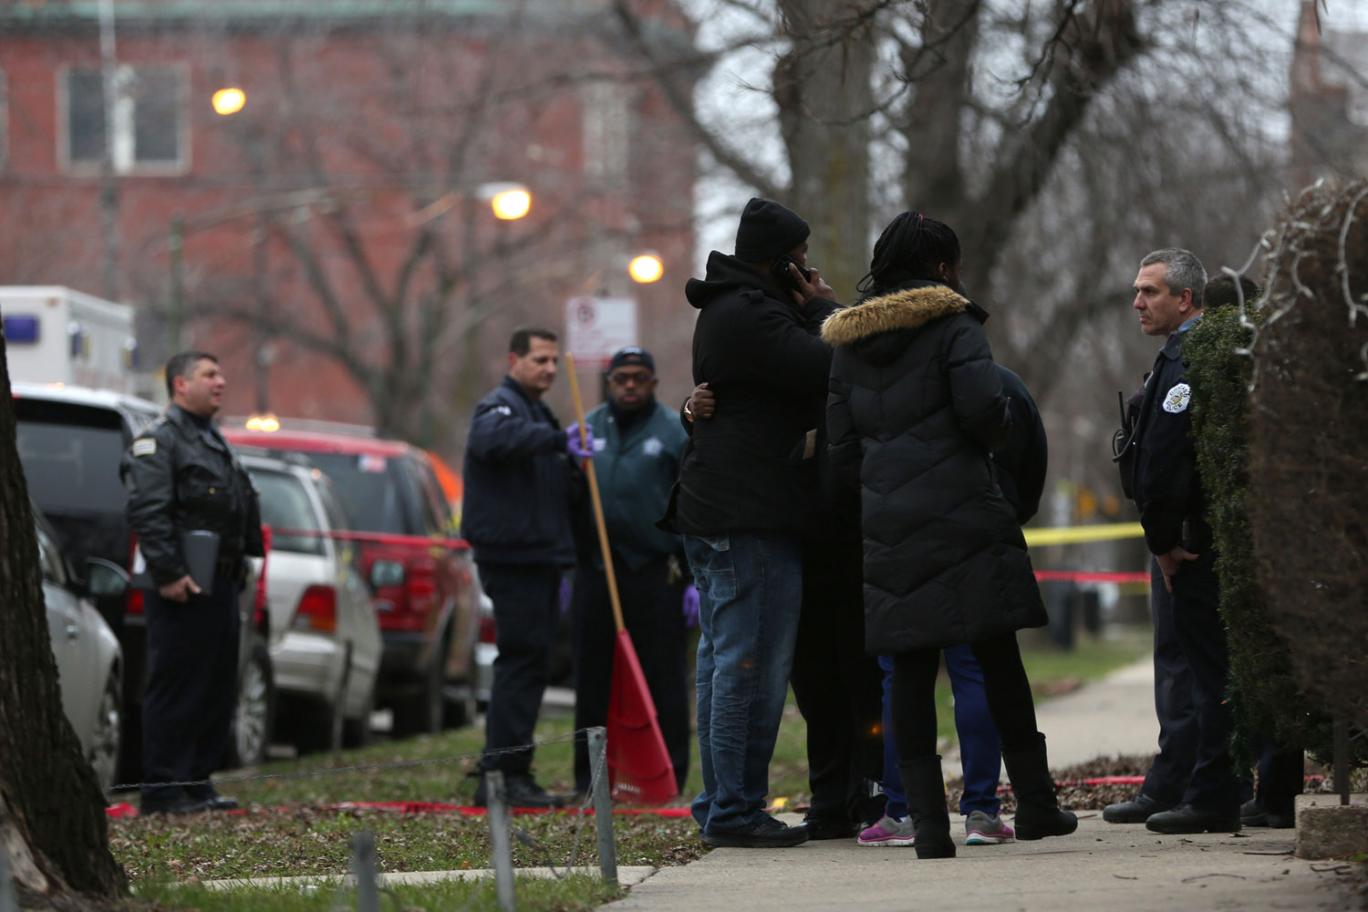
x=1159, y=465
x=181, y=476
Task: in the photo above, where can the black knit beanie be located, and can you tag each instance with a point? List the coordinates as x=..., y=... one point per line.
x=768, y=231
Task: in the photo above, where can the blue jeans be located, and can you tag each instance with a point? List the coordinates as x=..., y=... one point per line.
x=980, y=751
x=750, y=591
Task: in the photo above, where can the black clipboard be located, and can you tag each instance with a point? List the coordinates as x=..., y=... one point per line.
x=199, y=549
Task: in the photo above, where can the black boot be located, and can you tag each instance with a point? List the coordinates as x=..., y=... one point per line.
x=1038, y=814
x=925, y=788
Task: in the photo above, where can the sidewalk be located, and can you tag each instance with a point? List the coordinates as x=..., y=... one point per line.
x=1102, y=866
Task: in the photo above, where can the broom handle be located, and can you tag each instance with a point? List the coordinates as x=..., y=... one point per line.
x=594, y=496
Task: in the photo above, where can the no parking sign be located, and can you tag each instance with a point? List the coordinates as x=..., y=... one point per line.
x=597, y=327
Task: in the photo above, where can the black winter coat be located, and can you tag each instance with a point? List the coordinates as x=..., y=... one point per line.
x=520, y=484
x=752, y=465
x=916, y=404
x=181, y=476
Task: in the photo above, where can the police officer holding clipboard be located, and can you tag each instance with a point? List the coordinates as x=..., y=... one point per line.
x=195, y=513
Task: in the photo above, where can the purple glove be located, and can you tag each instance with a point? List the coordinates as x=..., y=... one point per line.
x=690, y=606
x=572, y=443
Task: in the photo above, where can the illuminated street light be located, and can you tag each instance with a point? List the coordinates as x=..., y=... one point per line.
x=229, y=101
x=268, y=423
x=646, y=268
x=510, y=202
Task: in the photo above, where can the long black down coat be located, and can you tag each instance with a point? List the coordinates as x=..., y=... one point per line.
x=915, y=405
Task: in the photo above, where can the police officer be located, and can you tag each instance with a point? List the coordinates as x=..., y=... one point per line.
x=637, y=449
x=520, y=486
x=1161, y=462
x=181, y=476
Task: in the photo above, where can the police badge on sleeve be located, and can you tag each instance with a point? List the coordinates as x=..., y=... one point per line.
x=1177, y=399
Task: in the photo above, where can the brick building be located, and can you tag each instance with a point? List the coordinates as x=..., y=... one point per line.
x=1328, y=98
x=331, y=240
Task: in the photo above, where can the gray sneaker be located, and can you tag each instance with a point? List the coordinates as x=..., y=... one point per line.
x=981, y=828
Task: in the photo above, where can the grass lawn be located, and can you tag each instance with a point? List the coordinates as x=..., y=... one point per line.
x=289, y=830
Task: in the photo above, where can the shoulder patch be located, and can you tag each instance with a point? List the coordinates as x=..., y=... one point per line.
x=1177, y=399
x=144, y=446
x=503, y=410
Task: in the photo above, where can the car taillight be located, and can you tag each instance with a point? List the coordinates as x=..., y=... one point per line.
x=133, y=603
x=317, y=610
x=421, y=582
x=488, y=632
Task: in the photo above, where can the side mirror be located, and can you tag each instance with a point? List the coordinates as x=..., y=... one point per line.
x=105, y=579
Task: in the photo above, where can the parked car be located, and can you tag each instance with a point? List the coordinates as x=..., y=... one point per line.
x=325, y=639
x=89, y=661
x=420, y=576
x=71, y=440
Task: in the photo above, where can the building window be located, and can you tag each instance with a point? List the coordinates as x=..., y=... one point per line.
x=148, y=119
x=4, y=122
x=607, y=131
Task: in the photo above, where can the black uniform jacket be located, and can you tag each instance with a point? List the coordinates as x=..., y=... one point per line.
x=916, y=405
x=1164, y=468
x=752, y=465
x=520, y=483
x=181, y=475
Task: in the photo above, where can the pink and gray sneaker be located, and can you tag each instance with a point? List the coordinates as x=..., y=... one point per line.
x=889, y=831
x=981, y=828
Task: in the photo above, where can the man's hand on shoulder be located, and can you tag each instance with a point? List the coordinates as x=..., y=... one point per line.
x=701, y=404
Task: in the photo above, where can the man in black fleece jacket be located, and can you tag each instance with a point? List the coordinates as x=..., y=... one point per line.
x=743, y=507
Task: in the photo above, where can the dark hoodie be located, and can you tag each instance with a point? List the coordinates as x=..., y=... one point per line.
x=916, y=405
x=749, y=466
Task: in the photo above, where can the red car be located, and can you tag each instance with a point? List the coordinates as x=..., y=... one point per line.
x=420, y=575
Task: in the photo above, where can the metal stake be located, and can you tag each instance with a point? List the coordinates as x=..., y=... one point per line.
x=603, y=804
x=1341, y=738
x=8, y=901
x=363, y=869
x=498, y=840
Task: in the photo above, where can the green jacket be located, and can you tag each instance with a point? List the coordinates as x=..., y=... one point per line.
x=635, y=475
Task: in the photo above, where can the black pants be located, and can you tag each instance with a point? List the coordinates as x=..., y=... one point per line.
x=1282, y=776
x=525, y=618
x=1201, y=635
x=839, y=689
x=652, y=611
x=1004, y=680
x=192, y=667
x=1171, y=770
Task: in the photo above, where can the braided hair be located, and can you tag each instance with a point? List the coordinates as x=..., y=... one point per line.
x=911, y=247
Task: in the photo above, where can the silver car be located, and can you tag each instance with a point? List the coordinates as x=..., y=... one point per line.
x=324, y=634
x=89, y=661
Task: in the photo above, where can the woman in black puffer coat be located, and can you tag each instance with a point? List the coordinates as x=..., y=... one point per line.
x=916, y=404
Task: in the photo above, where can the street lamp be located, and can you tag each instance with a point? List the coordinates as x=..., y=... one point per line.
x=509, y=202
x=228, y=101
x=646, y=267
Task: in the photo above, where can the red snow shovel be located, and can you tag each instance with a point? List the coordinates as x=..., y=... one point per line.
x=639, y=767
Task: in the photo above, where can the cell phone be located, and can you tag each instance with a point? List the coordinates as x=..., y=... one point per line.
x=780, y=271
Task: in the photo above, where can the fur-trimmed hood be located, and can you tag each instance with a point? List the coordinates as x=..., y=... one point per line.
x=906, y=308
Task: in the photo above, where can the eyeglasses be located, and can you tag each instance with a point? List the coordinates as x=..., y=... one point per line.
x=626, y=378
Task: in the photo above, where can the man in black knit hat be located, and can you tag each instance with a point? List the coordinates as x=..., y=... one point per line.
x=744, y=504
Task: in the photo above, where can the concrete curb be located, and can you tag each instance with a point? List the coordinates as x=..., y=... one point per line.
x=627, y=876
x=1327, y=829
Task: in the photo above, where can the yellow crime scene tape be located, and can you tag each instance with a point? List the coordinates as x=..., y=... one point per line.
x=1069, y=535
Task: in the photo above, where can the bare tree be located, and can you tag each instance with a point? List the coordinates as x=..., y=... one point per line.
x=52, y=818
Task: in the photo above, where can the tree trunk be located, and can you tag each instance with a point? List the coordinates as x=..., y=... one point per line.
x=823, y=87
x=52, y=818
